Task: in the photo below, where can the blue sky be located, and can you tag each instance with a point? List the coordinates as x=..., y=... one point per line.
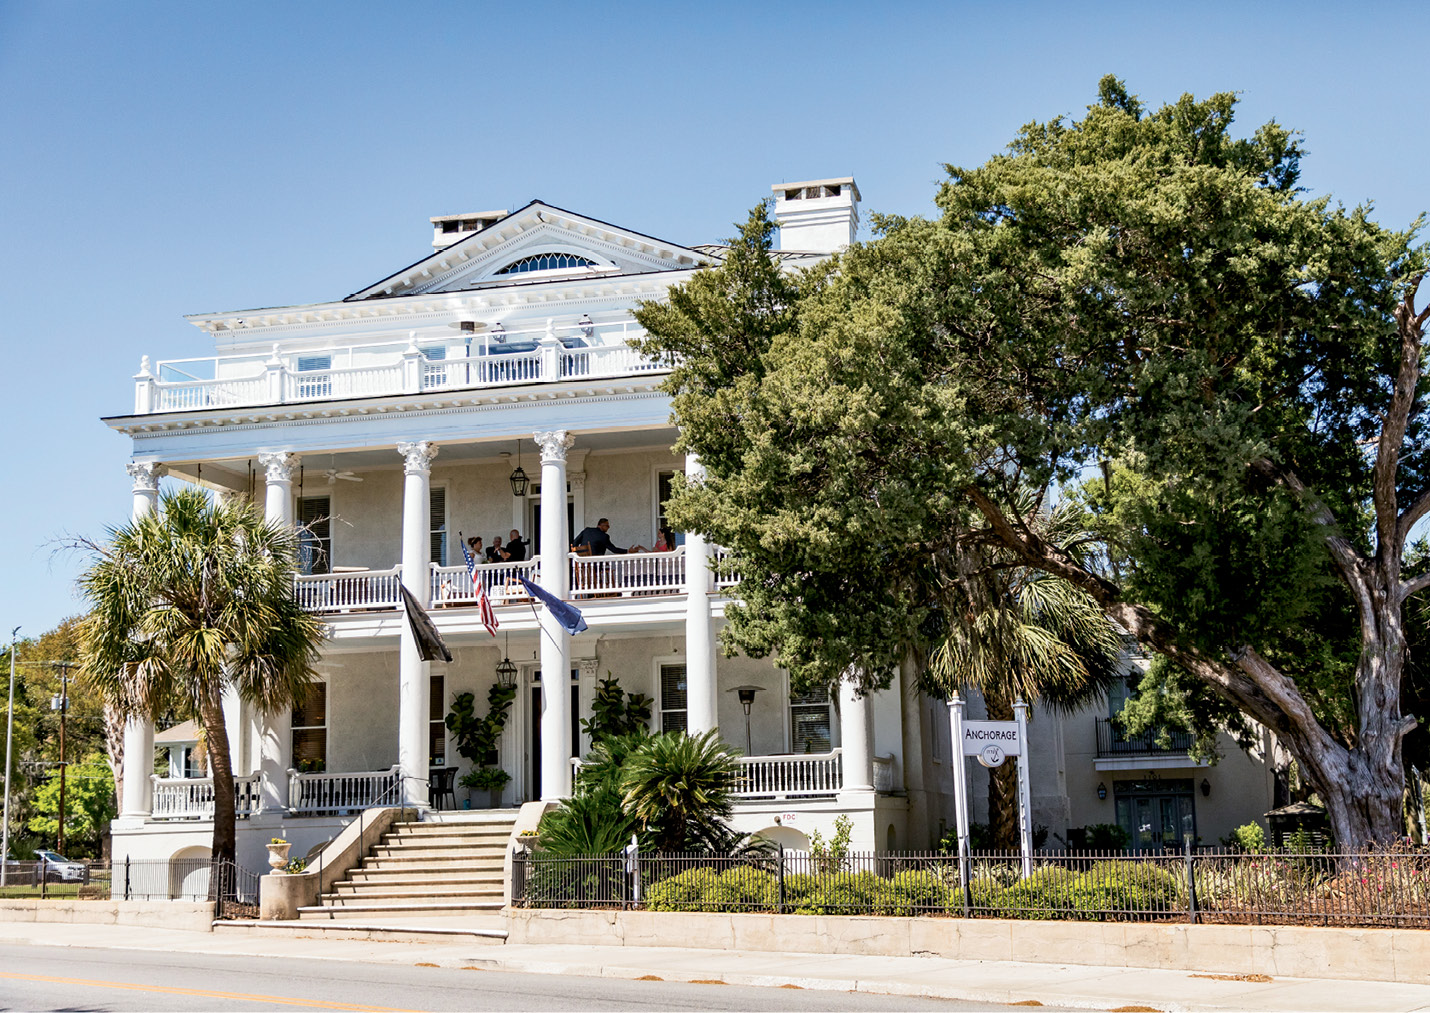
x=158, y=159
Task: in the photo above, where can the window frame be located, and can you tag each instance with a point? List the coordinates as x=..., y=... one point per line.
x=658, y=708
x=792, y=706
x=324, y=541
x=294, y=728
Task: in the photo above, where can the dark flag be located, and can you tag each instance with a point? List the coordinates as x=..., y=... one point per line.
x=567, y=615
x=429, y=641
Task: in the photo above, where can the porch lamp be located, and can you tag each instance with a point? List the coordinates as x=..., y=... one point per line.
x=1101, y=790
x=497, y=334
x=506, y=673
x=519, y=482
x=1206, y=788
x=587, y=325
x=746, y=696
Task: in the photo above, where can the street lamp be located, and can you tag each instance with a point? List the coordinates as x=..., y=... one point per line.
x=9, y=734
x=746, y=696
x=61, y=703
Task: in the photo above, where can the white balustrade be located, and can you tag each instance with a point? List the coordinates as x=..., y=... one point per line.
x=631, y=575
x=179, y=798
x=345, y=792
x=452, y=585
x=718, y=555
x=349, y=592
x=375, y=370
x=799, y=775
x=884, y=773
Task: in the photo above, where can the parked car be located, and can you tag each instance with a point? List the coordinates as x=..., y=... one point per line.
x=55, y=868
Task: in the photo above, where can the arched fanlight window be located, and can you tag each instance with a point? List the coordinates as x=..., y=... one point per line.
x=546, y=262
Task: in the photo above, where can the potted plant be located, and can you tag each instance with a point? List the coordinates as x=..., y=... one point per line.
x=278, y=854
x=485, y=784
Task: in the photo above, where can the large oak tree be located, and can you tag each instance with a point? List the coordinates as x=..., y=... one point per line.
x=1137, y=310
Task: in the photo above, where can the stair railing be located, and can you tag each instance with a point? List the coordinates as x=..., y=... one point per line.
x=382, y=801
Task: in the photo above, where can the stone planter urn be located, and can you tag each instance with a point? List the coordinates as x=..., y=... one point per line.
x=278, y=855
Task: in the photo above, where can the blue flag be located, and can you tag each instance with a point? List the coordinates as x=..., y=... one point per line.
x=567, y=615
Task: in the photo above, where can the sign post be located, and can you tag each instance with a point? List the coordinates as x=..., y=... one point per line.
x=960, y=791
x=992, y=742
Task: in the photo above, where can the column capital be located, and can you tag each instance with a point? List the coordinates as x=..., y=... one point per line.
x=589, y=667
x=554, y=444
x=417, y=457
x=577, y=479
x=146, y=475
x=278, y=465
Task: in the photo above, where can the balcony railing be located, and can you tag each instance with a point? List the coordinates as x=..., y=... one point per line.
x=452, y=585
x=795, y=776
x=631, y=575
x=181, y=798
x=361, y=591
x=414, y=367
x=1113, y=742
x=718, y=555
x=341, y=793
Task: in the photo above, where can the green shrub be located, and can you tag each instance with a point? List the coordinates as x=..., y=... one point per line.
x=1248, y=837
x=686, y=891
x=844, y=893
x=744, y=888
x=1048, y=892
x=913, y=891
x=1115, y=887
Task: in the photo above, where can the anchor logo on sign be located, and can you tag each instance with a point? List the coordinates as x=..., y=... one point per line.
x=992, y=755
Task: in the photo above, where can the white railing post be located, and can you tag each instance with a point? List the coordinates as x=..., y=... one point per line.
x=411, y=365
x=550, y=347
x=143, y=388
x=273, y=370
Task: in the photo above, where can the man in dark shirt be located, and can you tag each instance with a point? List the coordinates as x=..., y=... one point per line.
x=515, y=547
x=598, y=539
x=495, y=553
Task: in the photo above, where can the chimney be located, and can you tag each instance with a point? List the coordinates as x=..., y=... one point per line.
x=448, y=229
x=818, y=215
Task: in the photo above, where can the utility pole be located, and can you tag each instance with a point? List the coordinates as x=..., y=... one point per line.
x=62, y=704
x=9, y=734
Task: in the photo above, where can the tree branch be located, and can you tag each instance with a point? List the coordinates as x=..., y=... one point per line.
x=1349, y=560
x=1413, y=585
x=1392, y=436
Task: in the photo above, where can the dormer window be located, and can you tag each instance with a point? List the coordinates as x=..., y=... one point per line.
x=546, y=262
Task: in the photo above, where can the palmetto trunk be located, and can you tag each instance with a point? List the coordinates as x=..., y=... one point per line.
x=221, y=768
x=1002, y=785
x=114, y=723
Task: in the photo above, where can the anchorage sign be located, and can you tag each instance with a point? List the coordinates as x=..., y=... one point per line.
x=991, y=741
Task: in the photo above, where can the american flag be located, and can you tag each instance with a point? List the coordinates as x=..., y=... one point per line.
x=489, y=617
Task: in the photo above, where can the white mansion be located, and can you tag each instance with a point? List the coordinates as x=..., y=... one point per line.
x=491, y=387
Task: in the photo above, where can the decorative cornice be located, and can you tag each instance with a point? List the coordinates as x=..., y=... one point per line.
x=146, y=475
x=278, y=465
x=576, y=479
x=554, y=445
x=417, y=457
x=589, y=668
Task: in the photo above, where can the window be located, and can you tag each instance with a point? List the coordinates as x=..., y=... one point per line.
x=310, y=730
x=315, y=535
x=434, y=367
x=439, y=525
x=436, y=725
x=662, y=496
x=319, y=385
x=546, y=262
x=809, y=722
x=672, y=698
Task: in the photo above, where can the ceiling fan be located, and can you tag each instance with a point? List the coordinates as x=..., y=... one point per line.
x=347, y=476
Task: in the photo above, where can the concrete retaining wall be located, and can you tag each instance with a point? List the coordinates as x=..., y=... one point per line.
x=191, y=916
x=1279, y=950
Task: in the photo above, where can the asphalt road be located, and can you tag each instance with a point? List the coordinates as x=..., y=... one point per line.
x=75, y=979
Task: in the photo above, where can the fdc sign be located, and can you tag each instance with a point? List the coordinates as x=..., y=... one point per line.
x=991, y=741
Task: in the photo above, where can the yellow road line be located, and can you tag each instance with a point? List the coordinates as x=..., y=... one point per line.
x=204, y=993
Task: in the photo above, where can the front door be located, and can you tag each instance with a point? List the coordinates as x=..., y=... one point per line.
x=1156, y=815
x=533, y=758
x=571, y=531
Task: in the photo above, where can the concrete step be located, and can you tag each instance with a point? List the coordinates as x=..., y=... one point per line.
x=399, y=904
x=428, y=852
x=452, y=829
x=359, y=880
x=379, y=928
x=469, y=859
x=494, y=841
x=477, y=891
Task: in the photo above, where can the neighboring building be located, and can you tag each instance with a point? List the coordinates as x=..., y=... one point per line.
x=490, y=386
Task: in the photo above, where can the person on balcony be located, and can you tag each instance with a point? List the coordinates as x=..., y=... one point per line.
x=474, y=545
x=664, y=540
x=495, y=553
x=515, y=547
x=598, y=542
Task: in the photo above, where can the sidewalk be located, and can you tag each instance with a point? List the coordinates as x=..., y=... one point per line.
x=1048, y=984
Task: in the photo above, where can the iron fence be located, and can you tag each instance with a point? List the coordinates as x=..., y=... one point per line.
x=233, y=888
x=1384, y=888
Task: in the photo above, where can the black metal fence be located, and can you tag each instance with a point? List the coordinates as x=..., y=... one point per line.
x=1375, y=889
x=233, y=888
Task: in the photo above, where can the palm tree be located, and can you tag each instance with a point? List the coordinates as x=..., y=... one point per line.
x=1012, y=633
x=680, y=788
x=187, y=601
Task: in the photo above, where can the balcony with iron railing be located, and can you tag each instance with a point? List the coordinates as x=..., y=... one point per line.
x=1113, y=743
x=411, y=366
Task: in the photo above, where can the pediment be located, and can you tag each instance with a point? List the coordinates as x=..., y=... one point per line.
x=581, y=248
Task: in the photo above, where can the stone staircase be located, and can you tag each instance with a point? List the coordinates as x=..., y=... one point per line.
x=446, y=871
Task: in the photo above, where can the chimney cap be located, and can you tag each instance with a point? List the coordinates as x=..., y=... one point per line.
x=839, y=181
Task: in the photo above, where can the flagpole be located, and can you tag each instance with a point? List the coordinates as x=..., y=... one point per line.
x=9, y=735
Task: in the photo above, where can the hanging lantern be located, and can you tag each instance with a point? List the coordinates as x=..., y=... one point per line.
x=519, y=482
x=506, y=672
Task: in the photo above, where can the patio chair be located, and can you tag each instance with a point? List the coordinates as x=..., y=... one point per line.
x=439, y=786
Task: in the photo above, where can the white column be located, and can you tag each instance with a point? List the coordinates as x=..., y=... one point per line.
x=413, y=689
x=139, y=732
x=701, y=699
x=275, y=730
x=279, y=468
x=555, y=642
x=856, y=734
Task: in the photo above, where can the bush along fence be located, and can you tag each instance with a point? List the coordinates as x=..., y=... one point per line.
x=1386, y=888
x=235, y=893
